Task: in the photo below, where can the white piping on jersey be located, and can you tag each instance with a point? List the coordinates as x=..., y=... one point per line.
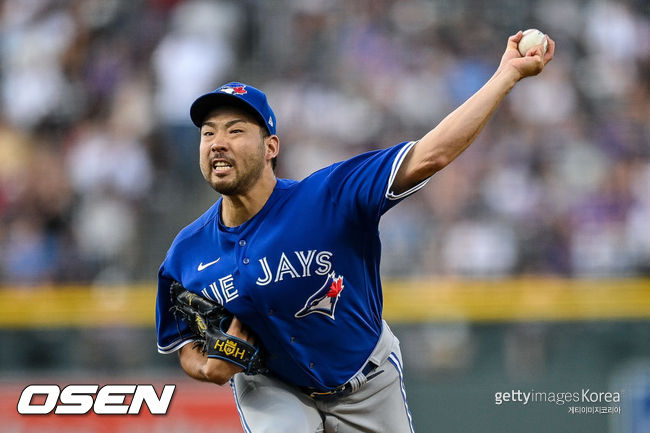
x=397, y=162
x=174, y=346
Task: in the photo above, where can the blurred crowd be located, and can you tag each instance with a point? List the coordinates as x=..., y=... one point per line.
x=98, y=157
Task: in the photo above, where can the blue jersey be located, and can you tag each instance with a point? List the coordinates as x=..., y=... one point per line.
x=303, y=273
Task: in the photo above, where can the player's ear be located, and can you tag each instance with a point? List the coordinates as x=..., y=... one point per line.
x=272, y=143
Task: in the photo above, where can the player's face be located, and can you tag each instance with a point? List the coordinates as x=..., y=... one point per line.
x=232, y=151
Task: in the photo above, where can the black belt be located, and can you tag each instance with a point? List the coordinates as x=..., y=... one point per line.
x=344, y=389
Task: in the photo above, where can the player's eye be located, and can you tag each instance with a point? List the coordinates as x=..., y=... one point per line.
x=207, y=133
x=236, y=131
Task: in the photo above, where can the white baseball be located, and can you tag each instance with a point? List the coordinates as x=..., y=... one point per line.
x=531, y=38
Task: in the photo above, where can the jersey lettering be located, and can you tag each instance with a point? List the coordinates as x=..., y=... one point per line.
x=305, y=261
x=215, y=292
x=286, y=268
x=322, y=260
x=223, y=292
x=268, y=277
x=228, y=288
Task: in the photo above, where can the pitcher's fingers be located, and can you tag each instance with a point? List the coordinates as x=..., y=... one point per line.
x=550, y=50
x=513, y=41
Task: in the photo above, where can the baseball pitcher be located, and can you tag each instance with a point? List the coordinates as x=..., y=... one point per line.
x=276, y=290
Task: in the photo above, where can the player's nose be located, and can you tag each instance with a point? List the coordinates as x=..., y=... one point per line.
x=219, y=144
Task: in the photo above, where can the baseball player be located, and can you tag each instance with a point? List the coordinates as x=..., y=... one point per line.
x=297, y=263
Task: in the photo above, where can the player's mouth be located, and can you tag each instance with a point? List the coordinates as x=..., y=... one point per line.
x=221, y=166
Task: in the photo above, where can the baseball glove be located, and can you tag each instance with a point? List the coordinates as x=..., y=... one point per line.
x=209, y=322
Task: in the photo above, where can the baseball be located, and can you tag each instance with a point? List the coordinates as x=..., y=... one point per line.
x=531, y=38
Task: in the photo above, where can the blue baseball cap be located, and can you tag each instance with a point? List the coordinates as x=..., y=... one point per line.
x=237, y=94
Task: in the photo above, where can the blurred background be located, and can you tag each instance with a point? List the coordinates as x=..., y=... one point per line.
x=524, y=264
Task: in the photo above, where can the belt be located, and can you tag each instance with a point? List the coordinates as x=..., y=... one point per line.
x=345, y=389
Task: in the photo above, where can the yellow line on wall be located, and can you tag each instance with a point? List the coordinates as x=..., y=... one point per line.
x=78, y=306
x=517, y=300
x=404, y=301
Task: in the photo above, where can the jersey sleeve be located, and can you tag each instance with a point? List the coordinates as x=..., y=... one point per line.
x=173, y=333
x=361, y=187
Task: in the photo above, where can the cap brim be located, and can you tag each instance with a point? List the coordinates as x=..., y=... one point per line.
x=207, y=103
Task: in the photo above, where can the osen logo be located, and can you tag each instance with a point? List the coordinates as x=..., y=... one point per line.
x=80, y=399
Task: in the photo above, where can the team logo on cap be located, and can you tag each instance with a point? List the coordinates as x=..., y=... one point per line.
x=325, y=299
x=236, y=90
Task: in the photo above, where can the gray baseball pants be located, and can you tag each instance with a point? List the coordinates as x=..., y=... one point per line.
x=268, y=405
